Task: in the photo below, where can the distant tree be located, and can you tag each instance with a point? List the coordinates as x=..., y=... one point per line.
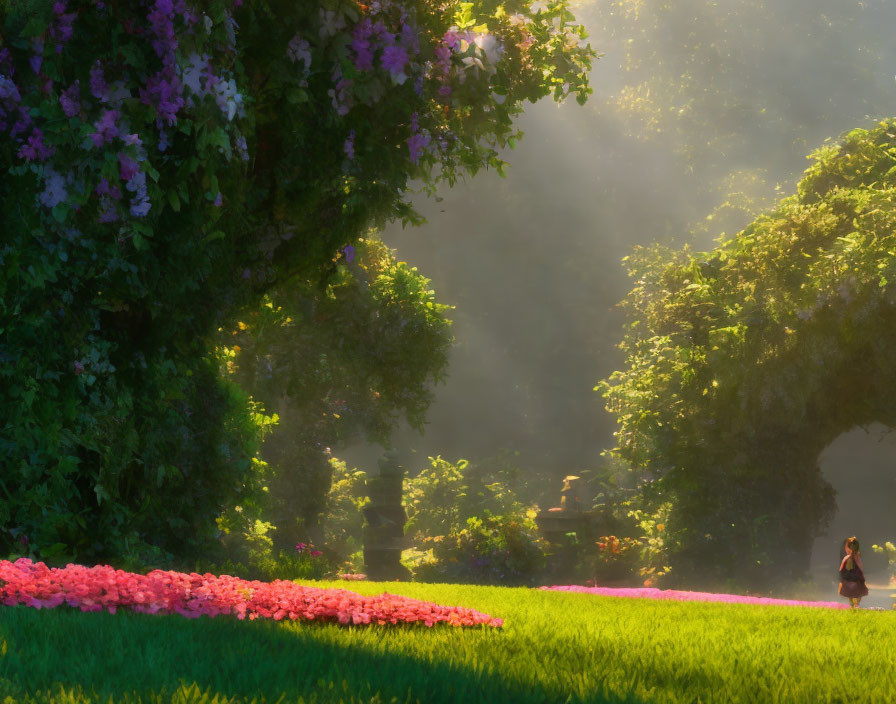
x=338, y=365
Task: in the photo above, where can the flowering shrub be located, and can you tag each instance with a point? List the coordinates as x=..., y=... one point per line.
x=490, y=550
x=444, y=496
x=164, y=163
x=193, y=595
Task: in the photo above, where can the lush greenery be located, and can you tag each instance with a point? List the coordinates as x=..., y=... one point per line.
x=339, y=363
x=744, y=362
x=553, y=647
x=164, y=166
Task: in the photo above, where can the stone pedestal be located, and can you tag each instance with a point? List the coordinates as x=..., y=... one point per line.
x=383, y=531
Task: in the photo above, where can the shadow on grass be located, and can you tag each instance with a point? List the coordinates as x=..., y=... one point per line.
x=243, y=660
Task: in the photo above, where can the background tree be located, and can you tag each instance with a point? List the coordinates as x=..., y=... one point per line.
x=340, y=363
x=745, y=362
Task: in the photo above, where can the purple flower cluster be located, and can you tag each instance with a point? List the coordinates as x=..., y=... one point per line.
x=61, y=29
x=106, y=129
x=394, y=59
x=241, y=147
x=164, y=91
x=71, y=99
x=107, y=193
x=161, y=20
x=54, y=188
x=395, y=55
x=35, y=149
x=98, y=87
x=12, y=110
x=418, y=140
x=342, y=99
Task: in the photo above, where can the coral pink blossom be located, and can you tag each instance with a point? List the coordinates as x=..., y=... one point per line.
x=193, y=595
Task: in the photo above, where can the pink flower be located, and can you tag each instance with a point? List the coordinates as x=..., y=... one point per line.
x=653, y=593
x=192, y=595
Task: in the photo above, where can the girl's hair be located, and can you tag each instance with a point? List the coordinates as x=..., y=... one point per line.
x=852, y=543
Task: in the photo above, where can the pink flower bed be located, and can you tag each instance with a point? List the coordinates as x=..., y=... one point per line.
x=653, y=593
x=192, y=595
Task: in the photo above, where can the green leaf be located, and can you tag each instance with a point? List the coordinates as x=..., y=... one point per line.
x=174, y=201
x=216, y=235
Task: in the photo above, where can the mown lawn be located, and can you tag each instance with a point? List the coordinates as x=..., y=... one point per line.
x=554, y=647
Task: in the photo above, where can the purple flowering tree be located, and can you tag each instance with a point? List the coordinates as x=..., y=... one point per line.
x=166, y=163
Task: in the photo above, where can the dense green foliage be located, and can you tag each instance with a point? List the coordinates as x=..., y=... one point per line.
x=553, y=647
x=340, y=360
x=744, y=362
x=166, y=165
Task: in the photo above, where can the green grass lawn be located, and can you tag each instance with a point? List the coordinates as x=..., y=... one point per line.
x=554, y=647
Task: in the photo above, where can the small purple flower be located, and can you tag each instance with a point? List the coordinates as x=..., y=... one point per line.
x=218, y=200
x=409, y=39
x=141, y=208
x=350, y=146
x=71, y=99
x=383, y=34
x=107, y=214
x=54, y=191
x=132, y=139
x=127, y=167
x=361, y=45
x=161, y=20
x=242, y=148
x=37, y=58
x=61, y=30
x=9, y=91
x=104, y=189
x=394, y=59
x=349, y=253
x=164, y=92
x=106, y=129
x=22, y=124
x=416, y=144
x=35, y=148
x=163, y=140
x=98, y=87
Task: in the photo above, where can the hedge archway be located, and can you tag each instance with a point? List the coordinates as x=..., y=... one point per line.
x=745, y=362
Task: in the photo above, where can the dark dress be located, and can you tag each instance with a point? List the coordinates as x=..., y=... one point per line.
x=852, y=582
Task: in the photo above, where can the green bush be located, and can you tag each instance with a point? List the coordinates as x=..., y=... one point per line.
x=489, y=550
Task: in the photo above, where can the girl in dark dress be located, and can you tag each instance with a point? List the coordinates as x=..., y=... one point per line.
x=852, y=579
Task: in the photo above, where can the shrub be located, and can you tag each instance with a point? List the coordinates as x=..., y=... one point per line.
x=489, y=550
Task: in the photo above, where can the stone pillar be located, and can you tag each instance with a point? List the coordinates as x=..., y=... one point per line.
x=383, y=531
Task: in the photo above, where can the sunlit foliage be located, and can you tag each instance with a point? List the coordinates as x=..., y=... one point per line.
x=744, y=362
